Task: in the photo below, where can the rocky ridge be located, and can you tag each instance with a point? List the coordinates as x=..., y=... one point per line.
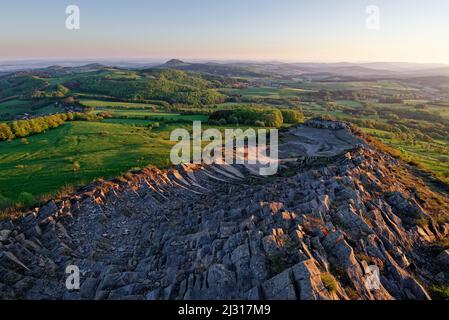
x=214, y=232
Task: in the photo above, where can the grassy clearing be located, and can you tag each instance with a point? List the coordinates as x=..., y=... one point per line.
x=266, y=92
x=349, y=103
x=148, y=114
x=77, y=153
x=17, y=107
x=381, y=86
x=103, y=103
x=426, y=156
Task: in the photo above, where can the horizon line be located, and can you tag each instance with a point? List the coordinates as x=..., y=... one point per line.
x=164, y=59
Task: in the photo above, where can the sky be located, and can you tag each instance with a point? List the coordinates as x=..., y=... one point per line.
x=284, y=30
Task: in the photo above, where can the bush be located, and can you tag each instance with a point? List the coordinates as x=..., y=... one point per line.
x=329, y=282
x=25, y=128
x=5, y=132
x=233, y=120
x=440, y=292
x=221, y=114
x=104, y=115
x=292, y=116
x=5, y=202
x=76, y=166
x=271, y=117
x=26, y=199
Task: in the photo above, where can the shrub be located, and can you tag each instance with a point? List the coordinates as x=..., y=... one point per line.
x=292, y=116
x=26, y=199
x=5, y=132
x=271, y=117
x=440, y=292
x=5, y=202
x=25, y=128
x=423, y=222
x=104, y=115
x=233, y=120
x=329, y=282
x=221, y=114
x=76, y=166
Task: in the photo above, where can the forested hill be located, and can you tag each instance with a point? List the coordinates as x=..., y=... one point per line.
x=166, y=85
x=172, y=86
x=215, y=69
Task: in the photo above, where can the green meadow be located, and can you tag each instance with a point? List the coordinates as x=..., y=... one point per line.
x=432, y=157
x=266, y=92
x=104, y=103
x=148, y=114
x=17, y=107
x=77, y=153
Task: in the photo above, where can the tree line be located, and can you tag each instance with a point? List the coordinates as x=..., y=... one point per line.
x=25, y=128
x=261, y=117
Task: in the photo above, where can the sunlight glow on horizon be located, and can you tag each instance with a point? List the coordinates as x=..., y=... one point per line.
x=283, y=30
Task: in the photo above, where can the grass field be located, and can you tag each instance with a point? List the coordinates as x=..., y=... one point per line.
x=17, y=107
x=13, y=103
x=349, y=103
x=102, y=103
x=431, y=157
x=385, y=86
x=79, y=152
x=266, y=92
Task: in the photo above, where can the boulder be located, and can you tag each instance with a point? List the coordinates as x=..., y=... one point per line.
x=443, y=258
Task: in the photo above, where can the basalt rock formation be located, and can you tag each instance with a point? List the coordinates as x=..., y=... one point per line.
x=338, y=212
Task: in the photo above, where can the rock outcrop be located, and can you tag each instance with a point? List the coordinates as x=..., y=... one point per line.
x=317, y=230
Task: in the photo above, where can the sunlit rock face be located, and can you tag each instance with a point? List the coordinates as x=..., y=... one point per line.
x=336, y=209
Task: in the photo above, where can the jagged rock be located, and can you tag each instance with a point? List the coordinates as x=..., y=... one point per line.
x=221, y=281
x=4, y=234
x=280, y=287
x=153, y=295
x=307, y=277
x=9, y=260
x=88, y=288
x=443, y=258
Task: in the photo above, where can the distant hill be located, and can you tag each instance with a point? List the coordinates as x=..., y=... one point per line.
x=242, y=69
x=211, y=69
x=345, y=70
x=175, y=63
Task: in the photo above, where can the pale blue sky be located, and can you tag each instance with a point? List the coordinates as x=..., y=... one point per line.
x=308, y=30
